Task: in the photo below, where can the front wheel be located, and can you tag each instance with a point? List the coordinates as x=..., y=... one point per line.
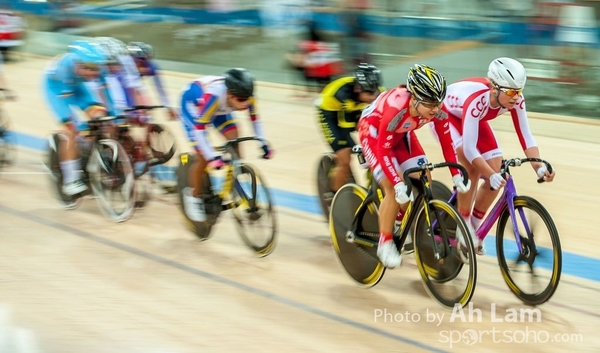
x=254, y=212
x=112, y=179
x=447, y=263
x=359, y=259
x=532, y=267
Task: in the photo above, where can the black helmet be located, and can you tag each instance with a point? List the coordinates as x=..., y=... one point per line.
x=426, y=84
x=368, y=77
x=140, y=50
x=239, y=82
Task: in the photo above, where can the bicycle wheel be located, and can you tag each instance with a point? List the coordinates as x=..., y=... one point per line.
x=534, y=274
x=253, y=209
x=112, y=179
x=440, y=191
x=201, y=229
x=52, y=163
x=360, y=261
x=441, y=259
x=325, y=169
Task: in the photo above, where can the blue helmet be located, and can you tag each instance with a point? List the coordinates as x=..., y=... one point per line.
x=88, y=52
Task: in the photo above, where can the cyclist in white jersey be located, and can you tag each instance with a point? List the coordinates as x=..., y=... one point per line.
x=470, y=104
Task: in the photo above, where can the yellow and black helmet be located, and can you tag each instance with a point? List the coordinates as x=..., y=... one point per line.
x=426, y=84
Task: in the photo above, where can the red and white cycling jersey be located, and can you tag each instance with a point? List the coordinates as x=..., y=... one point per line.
x=468, y=107
x=385, y=134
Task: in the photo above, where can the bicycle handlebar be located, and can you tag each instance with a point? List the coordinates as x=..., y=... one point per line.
x=516, y=162
x=143, y=107
x=432, y=166
x=236, y=141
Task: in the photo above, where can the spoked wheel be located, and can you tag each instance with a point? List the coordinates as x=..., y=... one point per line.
x=201, y=229
x=325, y=169
x=52, y=163
x=359, y=260
x=533, y=273
x=254, y=212
x=447, y=266
x=112, y=179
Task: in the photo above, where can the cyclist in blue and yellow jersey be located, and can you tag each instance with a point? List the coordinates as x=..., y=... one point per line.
x=64, y=87
x=211, y=100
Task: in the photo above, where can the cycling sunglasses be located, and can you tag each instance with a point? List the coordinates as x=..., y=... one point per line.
x=511, y=92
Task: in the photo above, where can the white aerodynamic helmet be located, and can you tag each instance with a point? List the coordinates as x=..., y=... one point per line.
x=507, y=72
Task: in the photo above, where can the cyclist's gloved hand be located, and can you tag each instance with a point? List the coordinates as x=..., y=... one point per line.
x=216, y=163
x=458, y=181
x=497, y=181
x=401, y=195
x=267, y=153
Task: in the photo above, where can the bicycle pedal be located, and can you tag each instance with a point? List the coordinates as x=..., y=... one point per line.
x=350, y=236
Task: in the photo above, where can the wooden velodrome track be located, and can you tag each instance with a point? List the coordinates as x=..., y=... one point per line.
x=72, y=281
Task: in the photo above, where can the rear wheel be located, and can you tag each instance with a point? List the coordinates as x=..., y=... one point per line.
x=359, y=260
x=201, y=229
x=325, y=169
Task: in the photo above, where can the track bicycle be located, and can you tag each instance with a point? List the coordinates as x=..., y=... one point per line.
x=354, y=228
x=525, y=258
x=107, y=169
x=326, y=168
x=157, y=146
x=243, y=190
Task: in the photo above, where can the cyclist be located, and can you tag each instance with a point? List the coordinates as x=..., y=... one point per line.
x=470, y=104
x=339, y=107
x=211, y=100
x=121, y=76
x=143, y=55
x=390, y=146
x=64, y=85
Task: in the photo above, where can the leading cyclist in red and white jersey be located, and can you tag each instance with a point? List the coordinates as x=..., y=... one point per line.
x=389, y=146
x=470, y=104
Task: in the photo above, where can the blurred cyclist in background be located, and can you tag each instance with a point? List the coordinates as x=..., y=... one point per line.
x=143, y=56
x=64, y=88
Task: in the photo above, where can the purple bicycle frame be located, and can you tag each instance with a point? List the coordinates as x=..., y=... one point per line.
x=507, y=198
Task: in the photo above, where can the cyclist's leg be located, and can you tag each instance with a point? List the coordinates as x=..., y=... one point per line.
x=67, y=149
x=193, y=204
x=474, y=204
x=388, y=209
x=492, y=154
x=341, y=143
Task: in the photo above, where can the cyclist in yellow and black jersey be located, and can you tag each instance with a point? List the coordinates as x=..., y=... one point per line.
x=339, y=106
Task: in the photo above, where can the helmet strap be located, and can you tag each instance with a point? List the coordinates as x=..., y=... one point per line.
x=497, y=96
x=416, y=105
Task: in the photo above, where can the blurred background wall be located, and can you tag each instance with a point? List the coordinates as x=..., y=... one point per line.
x=556, y=41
